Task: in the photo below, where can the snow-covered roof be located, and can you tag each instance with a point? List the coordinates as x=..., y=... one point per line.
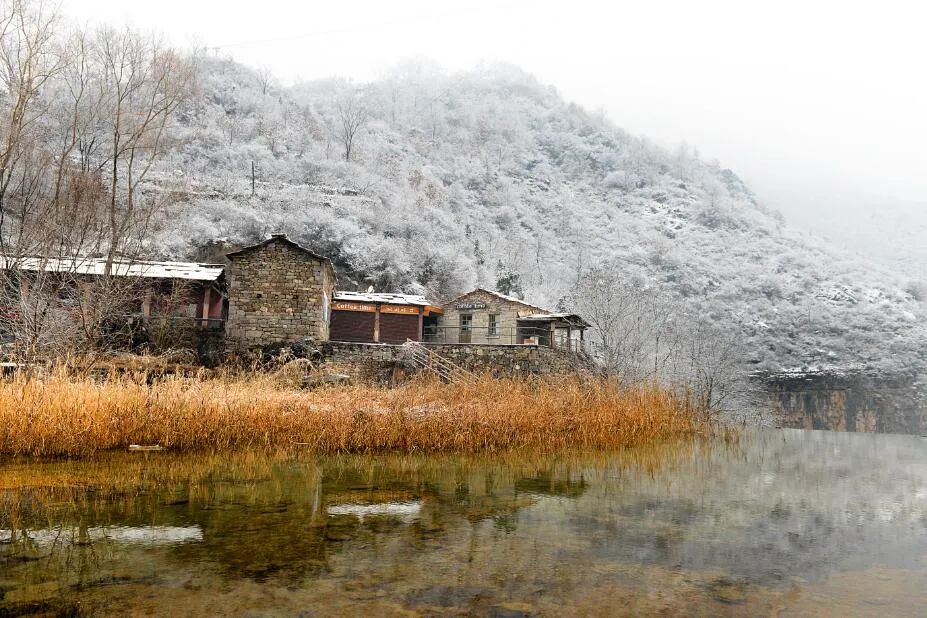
x=505, y=297
x=382, y=297
x=190, y=271
x=550, y=317
x=283, y=239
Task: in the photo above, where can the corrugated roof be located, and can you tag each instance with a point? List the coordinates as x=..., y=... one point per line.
x=189, y=271
x=550, y=317
x=382, y=297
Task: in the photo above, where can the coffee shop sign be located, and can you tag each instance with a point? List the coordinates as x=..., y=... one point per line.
x=472, y=305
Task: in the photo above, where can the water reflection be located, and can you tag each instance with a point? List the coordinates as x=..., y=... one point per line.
x=152, y=536
x=783, y=521
x=404, y=511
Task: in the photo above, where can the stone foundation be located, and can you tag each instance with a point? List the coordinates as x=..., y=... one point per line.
x=374, y=361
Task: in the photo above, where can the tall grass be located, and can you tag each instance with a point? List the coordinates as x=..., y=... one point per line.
x=65, y=415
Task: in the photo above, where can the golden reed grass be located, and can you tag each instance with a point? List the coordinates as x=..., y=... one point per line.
x=64, y=415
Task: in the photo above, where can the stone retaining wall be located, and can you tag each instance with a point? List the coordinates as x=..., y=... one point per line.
x=372, y=361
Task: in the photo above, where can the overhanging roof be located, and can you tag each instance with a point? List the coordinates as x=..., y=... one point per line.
x=572, y=318
x=189, y=271
x=382, y=297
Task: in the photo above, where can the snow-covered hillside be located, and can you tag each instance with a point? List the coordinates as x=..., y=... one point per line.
x=490, y=178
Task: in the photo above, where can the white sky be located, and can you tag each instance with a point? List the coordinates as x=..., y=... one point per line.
x=821, y=106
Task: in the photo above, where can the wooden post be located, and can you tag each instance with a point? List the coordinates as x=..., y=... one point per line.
x=421, y=324
x=376, y=325
x=205, y=312
x=146, y=303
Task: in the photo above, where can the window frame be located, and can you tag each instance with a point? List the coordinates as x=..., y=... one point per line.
x=492, y=325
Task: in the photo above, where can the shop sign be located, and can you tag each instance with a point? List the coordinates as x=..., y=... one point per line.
x=403, y=309
x=340, y=305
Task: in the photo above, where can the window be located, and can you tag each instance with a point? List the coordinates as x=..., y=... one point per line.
x=493, y=330
x=466, y=326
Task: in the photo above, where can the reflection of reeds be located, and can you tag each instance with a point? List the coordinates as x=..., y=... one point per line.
x=62, y=415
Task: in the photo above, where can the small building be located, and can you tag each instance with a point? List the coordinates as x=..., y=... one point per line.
x=278, y=291
x=145, y=288
x=370, y=317
x=487, y=317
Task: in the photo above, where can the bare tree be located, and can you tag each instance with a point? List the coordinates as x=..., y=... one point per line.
x=265, y=78
x=352, y=116
x=28, y=60
x=623, y=316
x=639, y=335
x=143, y=83
x=710, y=364
x=83, y=117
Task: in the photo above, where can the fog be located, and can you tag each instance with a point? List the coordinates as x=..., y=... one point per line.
x=819, y=107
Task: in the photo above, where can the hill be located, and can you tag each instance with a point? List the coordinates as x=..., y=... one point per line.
x=491, y=178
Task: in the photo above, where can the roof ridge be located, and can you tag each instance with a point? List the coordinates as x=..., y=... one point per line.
x=498, y=295
x=283, y=238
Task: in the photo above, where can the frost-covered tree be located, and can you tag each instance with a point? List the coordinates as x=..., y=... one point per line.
x=352, y=115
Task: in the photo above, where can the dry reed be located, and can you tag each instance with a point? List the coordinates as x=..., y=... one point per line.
x=65, y=415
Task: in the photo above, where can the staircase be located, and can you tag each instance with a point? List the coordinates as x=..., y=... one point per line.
x=428, y=360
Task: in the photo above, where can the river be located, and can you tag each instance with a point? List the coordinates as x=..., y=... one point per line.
x=776, y=522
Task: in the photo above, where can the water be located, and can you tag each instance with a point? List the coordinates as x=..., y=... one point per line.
x=782, y=523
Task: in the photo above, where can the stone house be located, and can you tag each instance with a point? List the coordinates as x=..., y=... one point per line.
x=278, y=291
x=486, y=317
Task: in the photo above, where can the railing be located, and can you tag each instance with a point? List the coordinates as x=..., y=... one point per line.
x=503, y=335
x=429, y=360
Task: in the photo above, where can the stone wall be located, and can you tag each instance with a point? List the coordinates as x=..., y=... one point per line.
x=371, y=361
x=842, y=402
x=207, y=343
x=364, y=362
x=277, y=292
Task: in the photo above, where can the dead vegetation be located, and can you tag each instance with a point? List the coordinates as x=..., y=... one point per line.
x=67, y=414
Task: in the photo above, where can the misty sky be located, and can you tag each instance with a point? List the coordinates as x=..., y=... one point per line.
x=820, y=106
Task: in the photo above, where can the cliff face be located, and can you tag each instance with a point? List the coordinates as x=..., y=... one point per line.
x=849, y=403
